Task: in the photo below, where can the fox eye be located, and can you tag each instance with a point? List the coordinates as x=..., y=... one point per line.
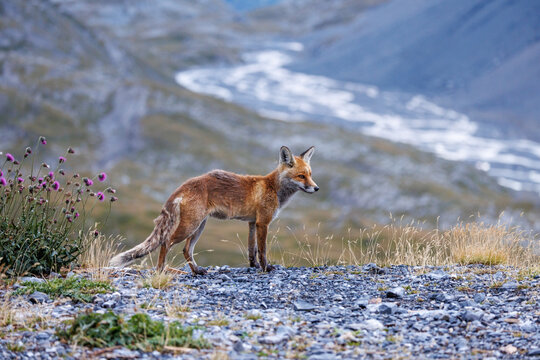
x=301, y=176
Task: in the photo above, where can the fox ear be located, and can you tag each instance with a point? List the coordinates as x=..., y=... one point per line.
x=306, y=155
x=286, y=156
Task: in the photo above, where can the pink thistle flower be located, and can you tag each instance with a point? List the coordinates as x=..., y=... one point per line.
x=20, y=180
x=28, y=150
x=44, y=185
x=61, y=159
x=56, y=185
x=102, y=177
x=96, y=233
x=114, y=198
x=16, y=162
x=50, y=175
x=76, y=215
x=40, y=180
x=62, y=172
x=9, y=157
x=70, y=150
x=111, y=190
x=45, y=165
x=43, y=140
x=3, y=181
x=88, y=182
x=100, y=196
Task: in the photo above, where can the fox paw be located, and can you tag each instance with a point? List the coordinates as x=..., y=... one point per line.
x=269, y=268
x=199, y=270
x=254, y=264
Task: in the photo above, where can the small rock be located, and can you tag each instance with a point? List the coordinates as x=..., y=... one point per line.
x=479, y=297
x=472, y=315
x=511, y=285
x=273, y=339
x=42, y=335
x=125, y=354
x=499, y=276
x=72, y=274
x=239, y=347
x=396, y=293
x=337, y=297
x=528, y=326
x=302, y=305
x=372, y=324
x=31, y=279
x=443, y=297
x=534, y=352
x=438, y=275
x=109, y=304
x=508, y=349
x=37, y=297
x=386, y=308
x=372, y=268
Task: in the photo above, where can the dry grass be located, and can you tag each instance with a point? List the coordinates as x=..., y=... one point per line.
x=410, y=244
x=158, y=280
x=7, y=311
x=479, y=243
x=178, y=307
x=220, y=320
x=98, y=250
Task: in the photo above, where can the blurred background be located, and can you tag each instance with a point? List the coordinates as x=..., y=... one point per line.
x=422, y=109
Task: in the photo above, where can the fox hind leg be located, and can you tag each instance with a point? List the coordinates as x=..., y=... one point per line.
x=190, y=246
x=162, y=256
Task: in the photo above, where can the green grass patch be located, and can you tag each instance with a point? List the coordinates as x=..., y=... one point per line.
x=139, y=332
x=78, y=289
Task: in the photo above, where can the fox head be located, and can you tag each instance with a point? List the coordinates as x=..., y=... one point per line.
x=295, y=171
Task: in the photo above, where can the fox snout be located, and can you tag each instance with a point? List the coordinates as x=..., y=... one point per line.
x=310, y=188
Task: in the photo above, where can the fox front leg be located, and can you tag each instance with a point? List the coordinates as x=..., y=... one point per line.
x=252, y=246
x=262, y=231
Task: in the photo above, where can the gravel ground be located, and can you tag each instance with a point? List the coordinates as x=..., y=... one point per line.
x=311, y=313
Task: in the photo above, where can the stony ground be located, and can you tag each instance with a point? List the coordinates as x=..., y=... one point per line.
x=314, y=313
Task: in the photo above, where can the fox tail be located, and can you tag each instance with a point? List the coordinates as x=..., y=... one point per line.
x=166, y=224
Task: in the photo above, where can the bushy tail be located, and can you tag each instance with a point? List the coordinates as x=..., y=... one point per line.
x=166, y=224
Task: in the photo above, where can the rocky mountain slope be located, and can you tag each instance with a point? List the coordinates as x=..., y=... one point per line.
x=475, y=56
x=98, y=76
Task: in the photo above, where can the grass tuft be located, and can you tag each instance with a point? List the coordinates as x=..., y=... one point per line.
x=139, y=332
x=78, y=289
x=97, y=251
x=478, y=243
x=158, y=280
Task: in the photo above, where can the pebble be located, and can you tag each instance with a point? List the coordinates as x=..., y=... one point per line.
x=303, y=306
x=396, y=293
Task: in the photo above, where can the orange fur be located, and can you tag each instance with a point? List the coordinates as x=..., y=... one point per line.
x=225, y=195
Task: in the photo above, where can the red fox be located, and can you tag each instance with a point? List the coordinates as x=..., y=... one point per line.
x=225, y=195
